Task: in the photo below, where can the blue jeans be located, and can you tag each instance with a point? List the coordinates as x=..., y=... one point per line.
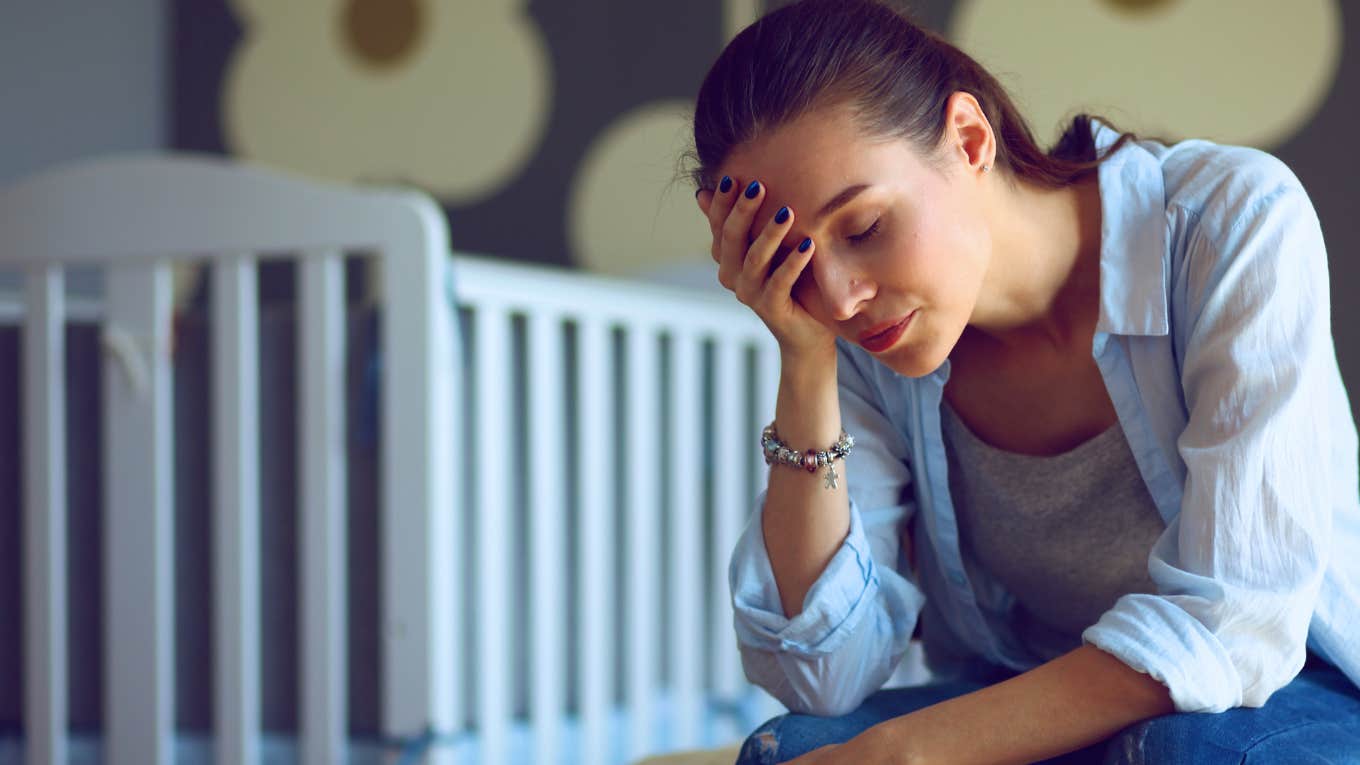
x=1314, y=719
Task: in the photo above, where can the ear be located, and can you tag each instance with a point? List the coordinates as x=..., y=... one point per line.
x=968, y=133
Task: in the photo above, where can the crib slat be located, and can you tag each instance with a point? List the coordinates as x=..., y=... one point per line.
x=547, y=508
x=323, y=585
x=641, y=469
x=766, y=384
x=138, y=524
x=686, y=526
x=595, y=592
x=491, y=489
x=44, y=452
x=236, y=521
x=418, y=509
x=731, y=505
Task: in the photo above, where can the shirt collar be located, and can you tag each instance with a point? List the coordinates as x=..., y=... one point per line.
x=1133, y=244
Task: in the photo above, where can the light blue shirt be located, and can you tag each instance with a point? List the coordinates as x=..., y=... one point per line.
x=1214, y=343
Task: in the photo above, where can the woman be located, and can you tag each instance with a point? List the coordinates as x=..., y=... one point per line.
x=1102, y=453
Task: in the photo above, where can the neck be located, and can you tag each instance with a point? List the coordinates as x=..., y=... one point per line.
x=1043, y=282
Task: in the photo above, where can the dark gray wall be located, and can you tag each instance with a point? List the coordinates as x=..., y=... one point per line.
x=80, y=78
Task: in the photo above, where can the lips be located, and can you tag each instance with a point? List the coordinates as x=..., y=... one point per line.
x=884, y=336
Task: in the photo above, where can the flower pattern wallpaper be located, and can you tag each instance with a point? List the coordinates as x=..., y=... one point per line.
x=552, y=130
x=452, y=97
x=1235, y=71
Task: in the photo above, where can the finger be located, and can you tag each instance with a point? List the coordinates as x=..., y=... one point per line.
x=755, y=270
x=724, y=195
x=735, y=231
x=704, y=197
x=782, y=280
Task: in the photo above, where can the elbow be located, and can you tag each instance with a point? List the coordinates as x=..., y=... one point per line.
x=820, y=685
x=1268, y=646
x=1267, y=670
x=798, y=694
x=829, y=694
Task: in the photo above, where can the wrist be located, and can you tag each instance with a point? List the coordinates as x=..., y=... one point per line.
x=809, y=361
x=807, y=373
x=807, y=411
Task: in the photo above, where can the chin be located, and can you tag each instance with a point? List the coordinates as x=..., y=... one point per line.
x=908, y=362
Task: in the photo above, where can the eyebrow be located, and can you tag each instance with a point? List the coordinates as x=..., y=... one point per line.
x=841, y=199
x=834, y=204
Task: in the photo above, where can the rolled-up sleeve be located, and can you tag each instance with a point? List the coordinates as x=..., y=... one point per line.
x=859, y=614
x=1239, y=570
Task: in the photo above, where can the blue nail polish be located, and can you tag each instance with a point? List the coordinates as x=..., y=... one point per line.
x=753, y=189
x=726, y=184
x=782, y=215
x=805, y=245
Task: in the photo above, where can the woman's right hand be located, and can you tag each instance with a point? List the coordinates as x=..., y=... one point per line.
x=745, y=266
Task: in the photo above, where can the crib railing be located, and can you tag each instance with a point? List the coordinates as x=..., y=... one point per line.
x=559, y=492
x=133, y=218
x=666, y=387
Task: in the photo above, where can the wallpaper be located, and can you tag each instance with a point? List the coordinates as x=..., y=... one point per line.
x=551, y=130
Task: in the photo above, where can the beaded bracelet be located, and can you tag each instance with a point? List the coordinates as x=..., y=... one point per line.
x=777, y=451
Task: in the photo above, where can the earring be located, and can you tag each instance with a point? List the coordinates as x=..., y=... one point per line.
x=986, y=168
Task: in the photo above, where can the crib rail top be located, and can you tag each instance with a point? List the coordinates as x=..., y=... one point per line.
x=157, y=206
x=484, y=282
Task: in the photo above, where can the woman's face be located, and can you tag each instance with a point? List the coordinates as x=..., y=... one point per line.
x=909, y=238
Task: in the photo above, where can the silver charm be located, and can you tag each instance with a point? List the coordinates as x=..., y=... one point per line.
x=831, y=477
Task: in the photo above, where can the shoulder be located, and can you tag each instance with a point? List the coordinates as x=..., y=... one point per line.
x=1222, y=186
x=1242, y=234
x=1230, y=207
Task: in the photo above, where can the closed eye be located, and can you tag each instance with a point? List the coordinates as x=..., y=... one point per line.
x=867, y=234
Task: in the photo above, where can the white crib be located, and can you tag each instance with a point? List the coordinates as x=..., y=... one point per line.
x=616, y=415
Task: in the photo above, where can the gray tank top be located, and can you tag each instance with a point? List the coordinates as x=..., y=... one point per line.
x=1067, y=535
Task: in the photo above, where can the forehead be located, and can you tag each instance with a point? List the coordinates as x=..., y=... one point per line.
x=812, y=158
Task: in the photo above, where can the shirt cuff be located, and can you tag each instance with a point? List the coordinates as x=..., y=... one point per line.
x=834, y=604
x=1155, y=636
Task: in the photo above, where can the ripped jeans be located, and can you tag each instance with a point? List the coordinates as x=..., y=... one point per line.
x=1314, y=719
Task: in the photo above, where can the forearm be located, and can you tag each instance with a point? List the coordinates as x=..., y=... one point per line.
x=804, y=522
x=1076, y=700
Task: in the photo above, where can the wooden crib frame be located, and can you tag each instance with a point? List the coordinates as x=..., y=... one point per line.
x=136, y=216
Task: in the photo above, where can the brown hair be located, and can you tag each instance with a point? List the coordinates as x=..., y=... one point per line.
x=896, y=76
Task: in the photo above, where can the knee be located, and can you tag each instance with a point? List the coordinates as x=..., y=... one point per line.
x=762, y=746
x=1173, y=738
x=789, y=736
x=1126, y=746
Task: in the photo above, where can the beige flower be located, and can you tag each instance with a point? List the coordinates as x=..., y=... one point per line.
x=629, y=214
x=1237, y=71
x=451, y=96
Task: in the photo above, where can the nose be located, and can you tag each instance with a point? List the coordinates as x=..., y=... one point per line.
x=844, y=289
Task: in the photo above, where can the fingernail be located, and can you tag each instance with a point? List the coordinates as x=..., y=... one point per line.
x=726, y=185
x=753, y=189
x=805, y=245
x=782, y=215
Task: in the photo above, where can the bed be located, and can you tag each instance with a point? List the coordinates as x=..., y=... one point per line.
x=354, y=497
